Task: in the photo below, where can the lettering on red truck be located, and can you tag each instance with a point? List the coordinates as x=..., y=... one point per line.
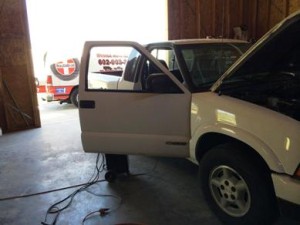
x=66, y=70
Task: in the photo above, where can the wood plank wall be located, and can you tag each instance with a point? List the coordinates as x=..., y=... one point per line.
x=216, y=18
x=18, y=101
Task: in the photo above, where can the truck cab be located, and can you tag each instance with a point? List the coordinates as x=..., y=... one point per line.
x=155, y=83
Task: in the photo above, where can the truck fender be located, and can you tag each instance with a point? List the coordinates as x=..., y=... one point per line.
x=198, y=149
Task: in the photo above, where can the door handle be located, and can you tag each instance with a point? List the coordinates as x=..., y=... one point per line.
x=87, y=104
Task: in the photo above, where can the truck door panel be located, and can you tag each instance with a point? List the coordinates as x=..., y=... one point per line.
x=124, y=118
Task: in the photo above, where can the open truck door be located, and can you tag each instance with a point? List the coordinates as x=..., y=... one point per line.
x=136, y=113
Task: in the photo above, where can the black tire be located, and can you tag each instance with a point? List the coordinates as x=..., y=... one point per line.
x=74, y=97
x=237, y=186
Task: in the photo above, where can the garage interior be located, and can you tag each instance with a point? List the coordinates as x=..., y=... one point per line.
x=41, y=165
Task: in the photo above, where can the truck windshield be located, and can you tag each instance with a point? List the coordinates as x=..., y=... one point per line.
x=205, y=63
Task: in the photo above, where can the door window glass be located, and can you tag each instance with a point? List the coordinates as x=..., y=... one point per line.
x=105, y=67
x=119, y=68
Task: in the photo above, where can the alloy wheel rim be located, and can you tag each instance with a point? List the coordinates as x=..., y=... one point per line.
x=230, y=191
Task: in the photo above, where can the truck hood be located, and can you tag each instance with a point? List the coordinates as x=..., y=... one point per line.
x=268, y=74
x=259, y=53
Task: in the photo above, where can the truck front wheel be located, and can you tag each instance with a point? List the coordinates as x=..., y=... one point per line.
x=236, y=187
x=74, y=97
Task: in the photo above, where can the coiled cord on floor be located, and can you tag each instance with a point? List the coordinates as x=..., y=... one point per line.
x=56, y=208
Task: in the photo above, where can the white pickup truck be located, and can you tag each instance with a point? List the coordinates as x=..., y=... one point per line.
x=237, y=117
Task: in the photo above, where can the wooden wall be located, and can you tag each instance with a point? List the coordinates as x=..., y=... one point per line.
x=18, y=101
x=216, y=18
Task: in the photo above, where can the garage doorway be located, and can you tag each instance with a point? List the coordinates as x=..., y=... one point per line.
x=62, y=26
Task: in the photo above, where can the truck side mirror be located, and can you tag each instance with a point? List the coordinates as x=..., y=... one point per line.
x=161, y=83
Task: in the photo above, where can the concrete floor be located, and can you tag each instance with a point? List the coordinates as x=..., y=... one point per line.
x=51, y=157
